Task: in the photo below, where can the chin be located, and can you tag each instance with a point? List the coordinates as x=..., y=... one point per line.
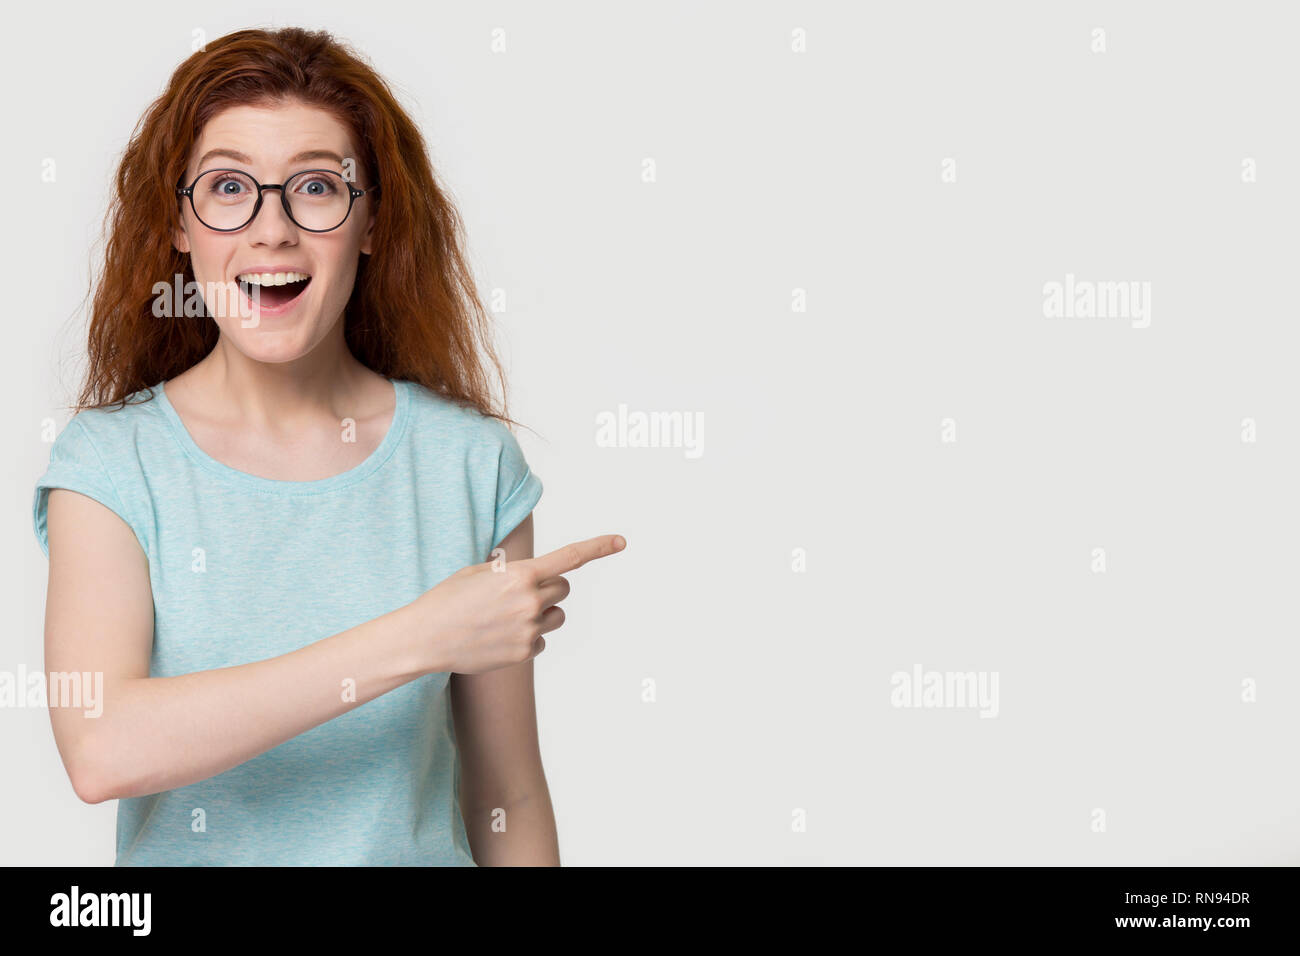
x=272, y=346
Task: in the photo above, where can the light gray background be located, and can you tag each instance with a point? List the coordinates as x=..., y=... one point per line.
x=818, y=171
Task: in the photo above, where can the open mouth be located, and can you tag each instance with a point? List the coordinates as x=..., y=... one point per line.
x=273, y=290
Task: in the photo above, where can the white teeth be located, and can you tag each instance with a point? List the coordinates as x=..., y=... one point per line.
x=268, y=278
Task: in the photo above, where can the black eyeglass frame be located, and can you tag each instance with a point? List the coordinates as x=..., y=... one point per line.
x=353, y=195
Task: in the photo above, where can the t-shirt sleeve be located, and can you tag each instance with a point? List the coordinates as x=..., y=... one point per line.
x=518, y=487
x=74, y=464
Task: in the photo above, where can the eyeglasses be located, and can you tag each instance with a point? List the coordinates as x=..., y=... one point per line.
x=317, y=200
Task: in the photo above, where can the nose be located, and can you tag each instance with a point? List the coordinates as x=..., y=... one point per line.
x=272, y=226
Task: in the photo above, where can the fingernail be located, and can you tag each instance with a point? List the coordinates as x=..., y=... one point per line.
x=620, y=542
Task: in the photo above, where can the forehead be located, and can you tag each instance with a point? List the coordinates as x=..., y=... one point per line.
x=271, y=135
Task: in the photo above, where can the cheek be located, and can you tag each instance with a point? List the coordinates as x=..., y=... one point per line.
x=340, y=273
x=205, y=256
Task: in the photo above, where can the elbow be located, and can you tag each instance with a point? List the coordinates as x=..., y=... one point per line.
x=87, y=785
x=88, y=790
x=86, y=774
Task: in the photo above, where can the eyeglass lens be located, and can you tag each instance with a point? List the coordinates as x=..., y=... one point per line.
x=226, y=198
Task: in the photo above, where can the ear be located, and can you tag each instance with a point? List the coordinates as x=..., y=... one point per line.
x=367, y=241
x=181, y=238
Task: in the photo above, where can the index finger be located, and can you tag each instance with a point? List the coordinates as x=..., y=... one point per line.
x=573, y=556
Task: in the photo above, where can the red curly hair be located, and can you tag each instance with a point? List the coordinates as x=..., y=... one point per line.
x=414, y=312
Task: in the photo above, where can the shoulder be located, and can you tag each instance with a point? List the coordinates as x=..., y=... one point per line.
x=457, y=426
x=481, y=451
x=111, y=435
x=98, y=453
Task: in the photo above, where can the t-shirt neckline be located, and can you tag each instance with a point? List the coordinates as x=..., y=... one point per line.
x=251, y=482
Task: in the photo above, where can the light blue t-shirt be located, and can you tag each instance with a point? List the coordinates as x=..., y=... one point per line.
x=244, y=568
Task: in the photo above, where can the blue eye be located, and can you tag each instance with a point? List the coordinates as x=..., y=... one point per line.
x=317, y=187
x=229, y=186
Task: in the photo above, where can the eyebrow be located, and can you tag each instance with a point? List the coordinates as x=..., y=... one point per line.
x=239, y=157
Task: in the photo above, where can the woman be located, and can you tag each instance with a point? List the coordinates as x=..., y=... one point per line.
x=269, y=524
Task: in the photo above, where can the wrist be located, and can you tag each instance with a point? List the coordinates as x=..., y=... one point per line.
x=420, y=651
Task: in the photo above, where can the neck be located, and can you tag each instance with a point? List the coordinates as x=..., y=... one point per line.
x=237, y=388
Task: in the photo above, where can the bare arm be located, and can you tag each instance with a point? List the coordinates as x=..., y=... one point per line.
x=501, y=762
x=160, y=733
